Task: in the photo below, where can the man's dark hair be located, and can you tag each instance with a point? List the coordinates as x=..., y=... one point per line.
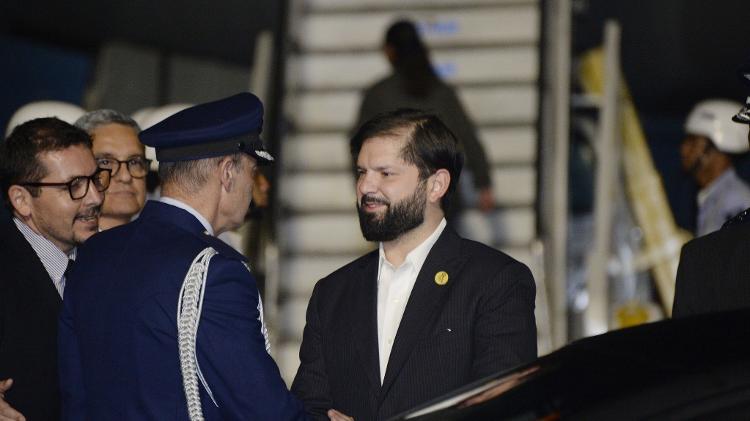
x=430, y=145
x=19, y=154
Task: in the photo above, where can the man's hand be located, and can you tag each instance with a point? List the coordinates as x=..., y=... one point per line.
x=7, y=413
x=335, y=415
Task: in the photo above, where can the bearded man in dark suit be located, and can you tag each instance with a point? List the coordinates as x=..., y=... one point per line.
x=428, y=311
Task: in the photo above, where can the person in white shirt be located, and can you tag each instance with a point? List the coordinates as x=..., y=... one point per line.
x=711, y=141
x=428, y=311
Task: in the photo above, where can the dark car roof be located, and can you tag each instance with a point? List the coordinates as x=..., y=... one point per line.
x=673, y=369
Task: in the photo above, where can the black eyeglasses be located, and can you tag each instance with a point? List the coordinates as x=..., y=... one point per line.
x=79, y=186
x=137, y=167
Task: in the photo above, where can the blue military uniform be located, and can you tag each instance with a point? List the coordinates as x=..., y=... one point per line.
x=118, y=335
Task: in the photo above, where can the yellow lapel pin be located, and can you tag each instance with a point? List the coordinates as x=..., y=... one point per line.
x=441, y=278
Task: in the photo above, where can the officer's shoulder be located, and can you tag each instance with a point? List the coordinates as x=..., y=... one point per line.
x=105, y=240
x=222, y=248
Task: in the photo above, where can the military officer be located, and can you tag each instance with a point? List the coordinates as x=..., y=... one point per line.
x=161, y=320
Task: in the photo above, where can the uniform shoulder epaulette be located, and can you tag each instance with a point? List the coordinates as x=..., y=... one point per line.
x=223, y=248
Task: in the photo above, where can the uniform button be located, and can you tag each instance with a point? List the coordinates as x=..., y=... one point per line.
x=390, y=341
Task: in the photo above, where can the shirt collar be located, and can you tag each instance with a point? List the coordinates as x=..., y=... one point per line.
x=418, y=255
x=184, y=206
x=53, y=259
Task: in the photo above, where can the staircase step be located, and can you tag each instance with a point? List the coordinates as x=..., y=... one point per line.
x=292, y=317
x=332, y=234
x=300, y=273
x=466, y=27
x=330, y=151
x=506, y=228
x=319, y=192
x=286, y=355
x=369, y=5
x=316, y=152
x=337, y=111
x=506, y=145
x=457, y=66
x=335, y=191
x=323, y=234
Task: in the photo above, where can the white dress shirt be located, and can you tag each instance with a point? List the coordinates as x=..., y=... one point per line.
x=54, y=260
x=394, y=288
x=724, y=198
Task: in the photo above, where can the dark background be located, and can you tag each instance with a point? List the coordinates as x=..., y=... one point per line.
x=674, y=53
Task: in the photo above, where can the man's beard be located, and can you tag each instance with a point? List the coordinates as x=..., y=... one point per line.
x=396, y=220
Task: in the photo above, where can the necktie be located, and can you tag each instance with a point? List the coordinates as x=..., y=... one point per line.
x=65, y=275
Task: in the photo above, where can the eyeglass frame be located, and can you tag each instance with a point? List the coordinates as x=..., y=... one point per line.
x=114, y=171
x=69, y=184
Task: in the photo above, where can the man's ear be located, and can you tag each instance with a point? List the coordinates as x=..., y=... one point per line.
x=227, y=172
x=20, y=199
x=438, y=184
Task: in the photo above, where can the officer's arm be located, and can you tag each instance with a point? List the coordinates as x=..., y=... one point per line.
x=505, y=328
x=311, y=382
x=231, y=347
x=72, y=393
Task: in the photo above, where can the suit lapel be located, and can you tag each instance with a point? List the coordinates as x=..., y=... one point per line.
x=424, y=302
x=25, y=259
x=364, y=318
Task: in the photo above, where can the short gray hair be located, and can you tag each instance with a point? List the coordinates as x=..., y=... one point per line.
x=191, y=176
x=93, y=119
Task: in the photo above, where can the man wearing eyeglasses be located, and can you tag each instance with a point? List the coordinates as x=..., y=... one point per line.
x=116, y=147
x=53, y=191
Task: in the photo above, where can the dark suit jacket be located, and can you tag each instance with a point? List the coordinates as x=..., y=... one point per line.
x=29, y=305
x=118, y=331
x=714, y=272
x=479, y=323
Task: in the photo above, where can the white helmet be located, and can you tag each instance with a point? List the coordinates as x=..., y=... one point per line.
x=66, y=112
x=713, y=119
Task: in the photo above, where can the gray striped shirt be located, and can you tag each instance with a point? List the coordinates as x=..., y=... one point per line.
x=53, y=259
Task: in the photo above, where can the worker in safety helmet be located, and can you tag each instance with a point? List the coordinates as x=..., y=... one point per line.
x=712, y=140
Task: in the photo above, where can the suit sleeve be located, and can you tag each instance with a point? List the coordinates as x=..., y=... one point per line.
x=72, y=392
x=231, y=347
x=505, y=330
x=686, y=294
x=311, y=382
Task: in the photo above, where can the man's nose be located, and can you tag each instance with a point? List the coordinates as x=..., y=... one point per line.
x=93, y=196
x=123, y=173
x=367, y=183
